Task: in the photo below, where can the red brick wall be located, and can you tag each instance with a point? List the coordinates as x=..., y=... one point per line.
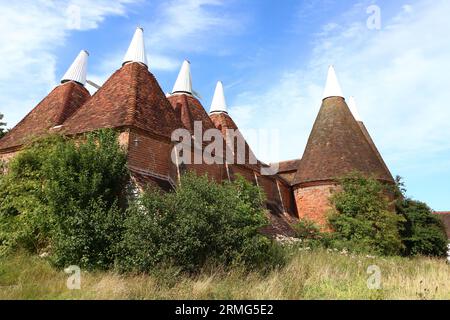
x=215, y=172
x=149, y=153
x=245, y=172
x=313, y=203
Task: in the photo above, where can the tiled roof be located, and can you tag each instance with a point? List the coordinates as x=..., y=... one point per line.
x=189, y=109
x=131, y=97
x=289, y=165
x=372, y=144
x=223, y=121
x=52, y=111
x=337, y=146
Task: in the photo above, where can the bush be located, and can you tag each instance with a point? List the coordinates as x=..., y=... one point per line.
x=423, y=232
x=310, y=233
x=64, y=196
x=2, y=126
x=363, y=218
x=201, y=222
x=87, y=237
x=24, y=213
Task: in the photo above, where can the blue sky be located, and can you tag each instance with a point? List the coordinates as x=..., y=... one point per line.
x=272, y=57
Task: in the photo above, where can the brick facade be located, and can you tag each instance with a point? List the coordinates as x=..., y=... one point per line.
x=313, y=203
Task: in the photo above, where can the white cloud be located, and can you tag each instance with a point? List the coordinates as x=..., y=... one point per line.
x=30, y=32
x=183, y=26
x=398, y=75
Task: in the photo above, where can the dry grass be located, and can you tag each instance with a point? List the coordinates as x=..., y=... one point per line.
x=309, y=275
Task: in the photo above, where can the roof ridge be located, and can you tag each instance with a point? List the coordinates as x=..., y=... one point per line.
x=134, y=86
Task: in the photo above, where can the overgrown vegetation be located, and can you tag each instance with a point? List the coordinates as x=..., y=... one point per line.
x=66, y=199
x=423, y=232
x=363, y=218
x=375, y=218
x=315, y=274
x=3, y=130
x=201, y=222
x=62, y=198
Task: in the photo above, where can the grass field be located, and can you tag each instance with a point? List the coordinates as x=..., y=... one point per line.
x=317, y=274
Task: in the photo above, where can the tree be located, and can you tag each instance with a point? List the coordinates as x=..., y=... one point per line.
x=2, y=126
x=363, y=218
x=423, y=232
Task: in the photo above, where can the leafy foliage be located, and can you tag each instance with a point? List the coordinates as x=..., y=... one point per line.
x=423, y=232
x=311, y=234
x=24, y=213
x=2, y=126
x=64, y=196
x=363, y=218
x=198, y=223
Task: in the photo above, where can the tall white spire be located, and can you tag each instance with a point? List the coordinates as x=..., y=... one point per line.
x=184, y=80
x=218, y=103
x=354, y=109
x=77, y=71
x=136, y=50
x=332, y=88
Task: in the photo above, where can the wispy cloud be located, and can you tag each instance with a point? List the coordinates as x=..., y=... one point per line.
x=30, y=33
x=183, y=26
x=395, y=73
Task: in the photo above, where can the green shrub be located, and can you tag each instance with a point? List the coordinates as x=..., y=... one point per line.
x=3, y=131
x=307, y=229
x=24, y=213
x=363, y=218
x=201, y=222
x=87, y=237
x=423, y=233
x=310, y=233
x=66, y=197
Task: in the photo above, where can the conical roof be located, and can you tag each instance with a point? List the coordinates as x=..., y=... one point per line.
x=189, y=109
x=224, y=122
x=131, y=97
x=52, y=111
x=77, y=71
x=337, y=146
x=354, y=109
x=218, y=103
x=136, y=50
x=183, y=84
x=373, y=146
